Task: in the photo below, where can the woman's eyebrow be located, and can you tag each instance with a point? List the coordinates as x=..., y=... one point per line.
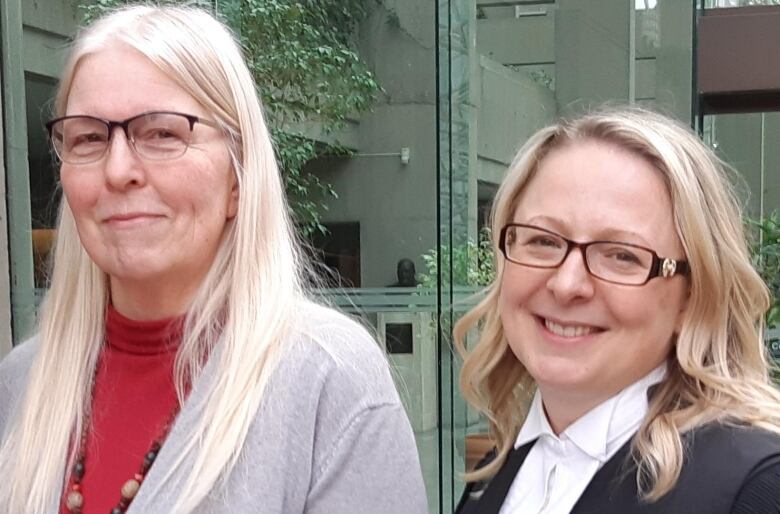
x=628, y=236
x=602, y=234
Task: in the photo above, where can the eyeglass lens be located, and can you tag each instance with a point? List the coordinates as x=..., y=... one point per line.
x=157, y=136
x=612, y=261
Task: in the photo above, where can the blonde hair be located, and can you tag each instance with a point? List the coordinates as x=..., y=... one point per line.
x=246, y=301
x=719, y=368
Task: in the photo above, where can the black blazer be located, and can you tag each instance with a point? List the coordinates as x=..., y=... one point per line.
x=719, y=459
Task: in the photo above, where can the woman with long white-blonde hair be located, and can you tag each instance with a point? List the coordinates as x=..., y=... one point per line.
x=179, y=366
x=620, y=361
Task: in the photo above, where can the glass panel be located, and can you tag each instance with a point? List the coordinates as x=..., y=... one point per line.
x=746, y=143
x=664, y=56
x=381, y=230
x=44, y=192
x=464, y=84
x=531, y=63
x=458, y=185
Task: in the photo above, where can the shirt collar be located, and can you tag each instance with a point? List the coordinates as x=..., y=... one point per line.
x=597, y=428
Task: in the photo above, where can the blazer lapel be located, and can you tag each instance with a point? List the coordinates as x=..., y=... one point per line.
x=611, y=486
x=495, y=493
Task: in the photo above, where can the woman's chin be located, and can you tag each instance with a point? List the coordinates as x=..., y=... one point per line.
x=561, y=373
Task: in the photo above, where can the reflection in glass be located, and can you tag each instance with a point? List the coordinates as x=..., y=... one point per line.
x=44, y=192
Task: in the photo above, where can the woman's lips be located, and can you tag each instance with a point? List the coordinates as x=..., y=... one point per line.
x=132, y=220
x=568, y=330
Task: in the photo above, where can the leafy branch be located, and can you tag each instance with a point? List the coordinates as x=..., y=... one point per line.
x=472, y=264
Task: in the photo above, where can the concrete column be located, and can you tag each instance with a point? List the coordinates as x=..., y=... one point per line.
x=674, y=61
x=592, y=53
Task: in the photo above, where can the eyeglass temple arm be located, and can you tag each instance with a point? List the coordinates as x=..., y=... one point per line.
x=669, y=267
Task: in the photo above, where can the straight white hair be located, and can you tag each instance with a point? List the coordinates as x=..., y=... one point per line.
x=246, y=302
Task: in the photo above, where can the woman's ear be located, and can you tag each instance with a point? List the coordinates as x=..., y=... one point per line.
x=678, y=322
x=232, y=206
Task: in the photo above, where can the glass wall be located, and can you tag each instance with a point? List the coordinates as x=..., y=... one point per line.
x=464, y=84
x=382, y=229
x=746, y=143
x=507, y=69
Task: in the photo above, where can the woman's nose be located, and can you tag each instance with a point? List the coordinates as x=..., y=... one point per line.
x=571, y=280
x=122, y=166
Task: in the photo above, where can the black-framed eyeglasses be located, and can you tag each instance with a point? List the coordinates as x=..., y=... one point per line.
x=611, y=261
x=154, y=135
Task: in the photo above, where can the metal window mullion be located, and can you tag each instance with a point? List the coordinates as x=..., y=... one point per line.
x=16, y=171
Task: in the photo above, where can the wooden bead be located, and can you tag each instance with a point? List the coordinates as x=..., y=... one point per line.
x=149, y=460
x=130, y=488
x=74, y=501
x=78, y=469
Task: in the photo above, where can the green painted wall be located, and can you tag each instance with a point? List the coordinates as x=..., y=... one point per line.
x=33, y=44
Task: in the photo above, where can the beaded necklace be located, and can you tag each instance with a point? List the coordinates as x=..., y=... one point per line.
x=74, y=500
x=74, y=494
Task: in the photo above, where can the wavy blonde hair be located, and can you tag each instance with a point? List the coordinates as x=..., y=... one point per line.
x=718, y=369
x=246, y=301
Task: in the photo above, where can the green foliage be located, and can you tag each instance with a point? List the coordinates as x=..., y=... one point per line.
x=766, y=259
x=90, y=10
x=765, y=252
x=473, y=264
x=309, y=76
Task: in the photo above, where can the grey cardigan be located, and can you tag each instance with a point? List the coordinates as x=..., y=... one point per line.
x=330, y=437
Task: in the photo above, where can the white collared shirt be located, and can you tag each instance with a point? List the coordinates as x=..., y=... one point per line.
x=559, y=468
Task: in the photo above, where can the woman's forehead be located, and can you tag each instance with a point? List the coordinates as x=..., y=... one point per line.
x=591, y=187
x=118, y=82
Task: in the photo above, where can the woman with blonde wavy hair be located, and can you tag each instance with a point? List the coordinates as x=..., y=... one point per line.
x=179, y=366
x=621, y=363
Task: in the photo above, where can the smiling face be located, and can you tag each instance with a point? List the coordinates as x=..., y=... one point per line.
x=153, y=226
x=580, y=338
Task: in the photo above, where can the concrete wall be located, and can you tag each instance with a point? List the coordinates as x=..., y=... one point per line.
x=512, y=107
x=525, y=40
x=586, y=48
x=591, y=53
x=394, y=203
x=674, y=75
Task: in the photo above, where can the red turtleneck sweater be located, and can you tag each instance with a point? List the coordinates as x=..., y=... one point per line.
x=133, y=400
